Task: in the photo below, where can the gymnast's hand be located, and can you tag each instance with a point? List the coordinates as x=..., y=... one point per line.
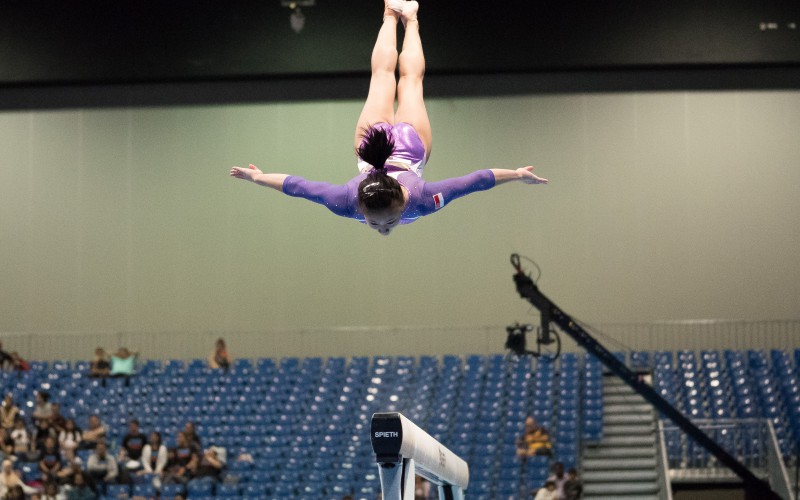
x=527, y=176
x=247, y=174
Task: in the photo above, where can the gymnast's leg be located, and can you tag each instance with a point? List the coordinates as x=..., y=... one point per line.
x=379, y=106
x=410, y=103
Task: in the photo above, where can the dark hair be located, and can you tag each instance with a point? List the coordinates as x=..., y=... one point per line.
x=15, y=492
x=378, y=191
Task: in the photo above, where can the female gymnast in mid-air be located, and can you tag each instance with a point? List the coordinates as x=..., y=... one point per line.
x=392, y=147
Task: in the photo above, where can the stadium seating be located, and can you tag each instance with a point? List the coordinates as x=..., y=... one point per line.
x=298, y=428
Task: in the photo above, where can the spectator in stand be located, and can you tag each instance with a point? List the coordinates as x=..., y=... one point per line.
x=80, y=489
x=573, y=487
x=183, y=461
x=18, y=363
x=548, y=492
x=15, y=493
x=21, y=437
x=43, y=409
x=123, y=364
x=211, y=465
x=422, y=488
x=559, y=478
x=101, y=467
x=41, y=432
x=10, y=478
x=72, y=465
x=100, y=367
x=130, y=454
x=50, y=459
x=95, y=431
x=70, y=436
x=192, y=437
x=51, y=492
x=220, y=358
x=6, y=361
x=8, y=412
x=534, y=441
x=57, y=420
x=154, y=456
x=6, y=445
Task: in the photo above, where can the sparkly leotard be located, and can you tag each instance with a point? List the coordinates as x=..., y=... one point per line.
x=409, y=151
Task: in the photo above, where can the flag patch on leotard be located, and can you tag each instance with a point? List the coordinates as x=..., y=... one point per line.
x=438, y=200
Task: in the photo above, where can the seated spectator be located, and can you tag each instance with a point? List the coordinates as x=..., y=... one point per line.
x=211, y=464
x=100, y=367
x=6, y=361
x=422, y=488
x=182, y=460
x=6, y=445
x=534, y=441
x=548, y=492
x=51, y=492
x=41, y=432
x=50, y=459
x=573, y=487
x=80, y=489
x=70, y=436
x=192, y=437
x=10, y=478
x=57, y=420
x=130, y=454
x=123, y=363
x=559, y=478
x=43, y=409
x=220, y=358
x=95, y=431
x=18, y=363
x=101, y=467
x=154, y=456
x=8, y=412
x=21, y=437
x=15, y=493
x=72, y=465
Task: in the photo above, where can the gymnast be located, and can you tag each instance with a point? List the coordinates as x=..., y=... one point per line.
x=392, y=147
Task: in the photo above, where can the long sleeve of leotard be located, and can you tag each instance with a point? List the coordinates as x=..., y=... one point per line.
x=337, y=198
x=435, y=195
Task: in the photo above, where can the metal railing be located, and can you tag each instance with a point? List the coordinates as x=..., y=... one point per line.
x=751, y=441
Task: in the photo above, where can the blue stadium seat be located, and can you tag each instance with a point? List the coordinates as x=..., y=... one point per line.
x=299, y=418
x=228, y=491
x=146, y=490
x=118, y=491
x=200, y=487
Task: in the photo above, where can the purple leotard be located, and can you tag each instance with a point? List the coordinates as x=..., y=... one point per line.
x=409, y=151
x=406, y=164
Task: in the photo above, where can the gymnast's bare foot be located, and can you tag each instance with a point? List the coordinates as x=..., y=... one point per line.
x=409, y=12
x=393, y=8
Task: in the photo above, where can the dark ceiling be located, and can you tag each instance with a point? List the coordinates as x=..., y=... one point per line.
x=93, y=44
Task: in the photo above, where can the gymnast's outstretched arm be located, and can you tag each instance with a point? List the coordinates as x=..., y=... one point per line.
x=524, y=174
x=333, y=196
x=255, y=175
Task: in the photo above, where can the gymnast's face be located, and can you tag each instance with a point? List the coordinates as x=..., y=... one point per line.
x=385, y=220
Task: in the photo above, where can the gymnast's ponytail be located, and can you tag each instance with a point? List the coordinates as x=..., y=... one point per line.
x=378, y=191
